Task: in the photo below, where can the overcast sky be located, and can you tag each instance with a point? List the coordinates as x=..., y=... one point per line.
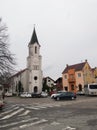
x=66, y=31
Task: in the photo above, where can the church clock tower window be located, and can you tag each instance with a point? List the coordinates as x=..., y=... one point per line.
x=35, y=49
x=35, y=67
x=35, y=78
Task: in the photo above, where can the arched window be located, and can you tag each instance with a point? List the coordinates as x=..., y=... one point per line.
x=35, y=49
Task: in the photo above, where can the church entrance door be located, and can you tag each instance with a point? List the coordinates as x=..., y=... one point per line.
x=35, y=89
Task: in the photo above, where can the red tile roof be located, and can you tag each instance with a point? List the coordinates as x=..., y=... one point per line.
x=77, y=67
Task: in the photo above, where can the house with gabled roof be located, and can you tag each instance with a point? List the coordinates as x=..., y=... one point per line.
x=49, y=81
x=76, y=76
x=59, y=85
x=48, y=84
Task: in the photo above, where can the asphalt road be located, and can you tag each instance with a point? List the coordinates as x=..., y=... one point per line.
x=47, y=114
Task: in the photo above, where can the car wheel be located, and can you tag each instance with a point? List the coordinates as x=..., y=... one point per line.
x=58, y=98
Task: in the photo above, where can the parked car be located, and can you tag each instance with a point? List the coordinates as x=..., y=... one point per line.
x=65, y=96
x=55, y=94
x=35, y=95
x=8, y=94
x=25, y=94
x=1, y=104
x=44, y=94
x=80, y=93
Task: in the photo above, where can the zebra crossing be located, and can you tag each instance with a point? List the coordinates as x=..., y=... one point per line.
x=38, y=107
x=19, y=116
x=22, y=123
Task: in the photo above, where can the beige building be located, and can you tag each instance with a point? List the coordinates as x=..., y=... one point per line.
x=77, y=75
x=94, y=70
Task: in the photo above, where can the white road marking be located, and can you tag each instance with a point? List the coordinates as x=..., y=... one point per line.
x=34, y=108
x=12, y=109
x=12, y=114
x=15, y=123
x=69, y=128
x=55, y=123
x=48, y=105
x=34, y=123
x=41, y=107
x=37, y=107
x=25, y=113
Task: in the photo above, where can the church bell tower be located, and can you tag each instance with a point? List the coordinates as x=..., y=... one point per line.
x=34, y=61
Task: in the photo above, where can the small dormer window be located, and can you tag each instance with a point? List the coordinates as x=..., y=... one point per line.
x=35, y=49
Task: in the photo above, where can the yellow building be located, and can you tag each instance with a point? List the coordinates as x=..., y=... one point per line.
x=94, y=71
x=77, y=75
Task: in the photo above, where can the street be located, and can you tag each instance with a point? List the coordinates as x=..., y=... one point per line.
x=47, y=114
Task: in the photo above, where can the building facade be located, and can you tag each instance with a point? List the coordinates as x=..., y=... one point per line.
x=49, y=81
x=59, y=84
x=48, y=84
x=76, y=76
x=30, y=79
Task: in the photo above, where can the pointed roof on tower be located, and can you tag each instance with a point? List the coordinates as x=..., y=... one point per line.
x=34, y=38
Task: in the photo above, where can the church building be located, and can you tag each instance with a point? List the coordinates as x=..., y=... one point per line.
x=30, y=78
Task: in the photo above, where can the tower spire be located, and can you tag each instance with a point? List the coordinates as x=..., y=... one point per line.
x=34, y=25
x=34, y=38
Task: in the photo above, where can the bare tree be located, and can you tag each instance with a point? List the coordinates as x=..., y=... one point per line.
x=7, y=60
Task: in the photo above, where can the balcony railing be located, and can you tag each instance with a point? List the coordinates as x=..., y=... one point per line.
x=71, y=80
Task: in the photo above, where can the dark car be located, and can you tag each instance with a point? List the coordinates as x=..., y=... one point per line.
x=65, y=96
x=57, y=93
x=36, y=95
